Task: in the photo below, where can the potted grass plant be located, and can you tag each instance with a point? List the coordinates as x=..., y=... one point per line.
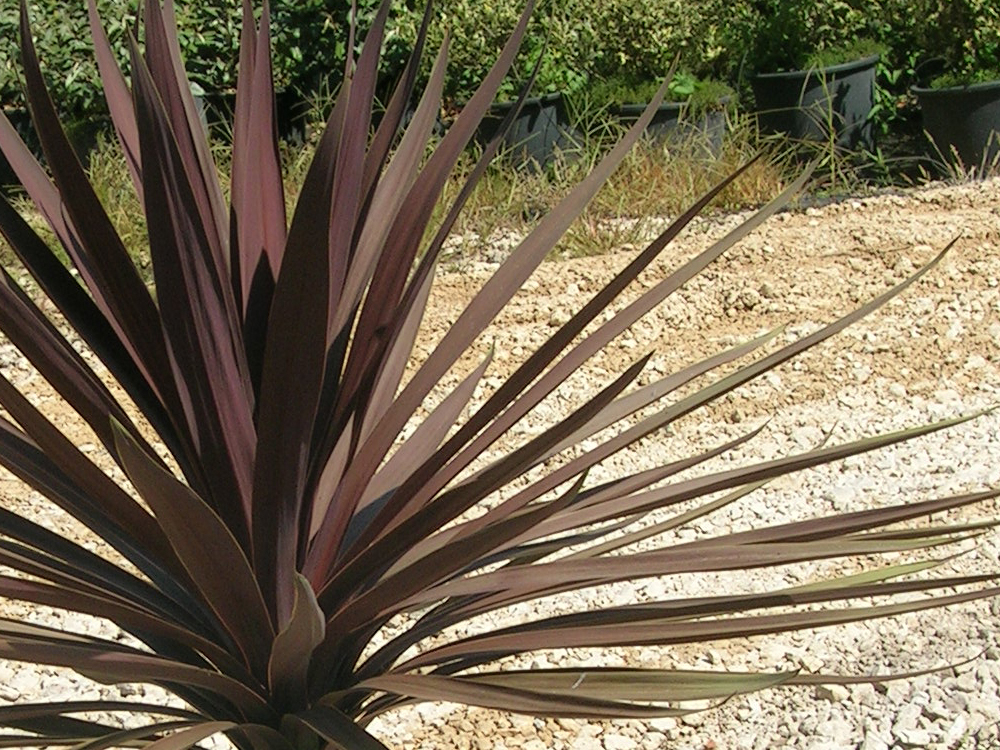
x=812, y=69
x=960, y=101
x=291, y=532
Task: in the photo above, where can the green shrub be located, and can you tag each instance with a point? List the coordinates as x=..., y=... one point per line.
x=964, y=35
x=64, y=46
x=641, y=38
x=776, y=35
x=478, y=31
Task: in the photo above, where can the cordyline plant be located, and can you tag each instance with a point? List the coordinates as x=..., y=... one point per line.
x=275, y=520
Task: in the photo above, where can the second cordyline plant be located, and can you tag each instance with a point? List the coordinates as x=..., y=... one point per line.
x=280, y=510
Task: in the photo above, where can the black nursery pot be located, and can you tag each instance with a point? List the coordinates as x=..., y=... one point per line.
x=963, y=121
x=540, y=132
x=807, y=104
x=673, y=122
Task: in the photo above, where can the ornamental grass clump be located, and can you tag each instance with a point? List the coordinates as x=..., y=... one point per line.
x=281, y=509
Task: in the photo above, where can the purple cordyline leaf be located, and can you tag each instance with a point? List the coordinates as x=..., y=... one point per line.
x=118, y=97
x=123, y=737
x=704, y=485
x=137, y=621
x=291, y=655
x=207, y=360
x=385, y=134
x=79, y=561
x=259, y=737
x=76, y=733
x=92, y=243
x=425, y=193
x=517, y=700
x=21, y=711
x=927, y=531
x=597, y=340
x=258, y=222
x=58, y=362
x=29, y=463
x=669, y=631
x=402, y=318
x=389, y=198
x=427, y=437
x=609, y=491
x=338, y=729
x=382, y=597
x=107, y=501
x=190, y=736
x=672, y=523
x=655, y=498
x=424, y=483
x=85, y=317
x=852, y=523
x=567, y=575
x=163, y=56
x=640, y=398
x=311, y=277
x=309, y=233
x=347, y=196
x=510, y=509
x=394, y=360
x=204, y=545
x=111, y=663
x=729, y=604
x=398, y=344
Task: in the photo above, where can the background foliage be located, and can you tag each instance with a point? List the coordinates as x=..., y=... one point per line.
x=583, y=41
x=963, y=36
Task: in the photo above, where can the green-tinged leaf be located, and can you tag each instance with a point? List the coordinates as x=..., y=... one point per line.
x=655, y=685
x=338, y=729
x=291, y=654
x=205, y=546
x=869, y=576
x=515, y=699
